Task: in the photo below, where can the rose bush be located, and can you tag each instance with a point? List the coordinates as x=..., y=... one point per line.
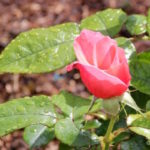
x=102, y=64
x=104, y=71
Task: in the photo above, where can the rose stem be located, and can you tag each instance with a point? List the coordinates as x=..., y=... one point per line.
x=92, y=103
x=109, y=130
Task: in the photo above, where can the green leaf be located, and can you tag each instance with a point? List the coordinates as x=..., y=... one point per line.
x=91, y=124
x=139, y=120
x=136, y=24
x=23, y=112
x=140, y=124
x=140, y=98
x=141, y=131
x=148, y=22
x=65, y=147
x=74, y=106
x=38, y=135
x=140, y=72
x=40, y=50
x=121, y=137
x=135, y=143
x=109, y=21
x=129, y=101
x=68, y=133
x=148, y=106
x=127, y=45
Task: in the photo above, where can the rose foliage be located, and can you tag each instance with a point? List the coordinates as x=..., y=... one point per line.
x=118, y=117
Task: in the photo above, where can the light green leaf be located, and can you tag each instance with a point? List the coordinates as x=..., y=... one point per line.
x=148, y=22
x=136, y=24
x=128, y=100
x=23, y=112
x=91, y=124
x=127, y=45
x=68, y=133
x=140, y=72
x=141, y=131
x=40, y=50
x=108, y=21
x=140, y=124
x=38, y=135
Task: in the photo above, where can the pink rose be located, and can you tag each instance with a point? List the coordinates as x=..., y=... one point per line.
x=103, y=67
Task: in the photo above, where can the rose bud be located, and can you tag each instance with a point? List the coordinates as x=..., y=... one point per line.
x=102, y=64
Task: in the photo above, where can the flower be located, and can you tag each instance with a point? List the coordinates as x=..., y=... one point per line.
x=102, y=64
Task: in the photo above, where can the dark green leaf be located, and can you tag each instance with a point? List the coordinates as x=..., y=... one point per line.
x=38, y=135
x=109, y=21
x=140, y=72
x=91, y=124
x=140, y=98
x=136, y=24
x=148, y=106
x=68, y=133
x=23, y=112
x=65, y=147
x=40, y=50
x=121, y=137
x=135, y=143
x=127, y=45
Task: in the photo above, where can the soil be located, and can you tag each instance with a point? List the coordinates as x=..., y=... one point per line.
x=21, y=15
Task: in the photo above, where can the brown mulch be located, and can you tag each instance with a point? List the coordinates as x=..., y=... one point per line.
x=20, y=15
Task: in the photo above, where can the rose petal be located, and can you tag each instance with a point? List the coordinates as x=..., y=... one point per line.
x=105, y=52
x=120, y=68
x=84, y=45
x=98, y=82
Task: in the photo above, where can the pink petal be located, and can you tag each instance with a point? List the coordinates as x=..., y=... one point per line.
x=121, y=68
x=98, y=82
x=105, y=49
x=84, y=45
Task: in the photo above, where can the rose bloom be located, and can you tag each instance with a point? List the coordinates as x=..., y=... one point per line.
x=102, y=64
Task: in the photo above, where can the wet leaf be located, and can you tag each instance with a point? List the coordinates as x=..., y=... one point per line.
x=40, y=50
x=140, y=72
x=69, y=134
x=23, y=112
x=74, y=106
x=127, y=45
x=108, y=21
x=38, y=135
x=140, y=124
x=136, y=24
